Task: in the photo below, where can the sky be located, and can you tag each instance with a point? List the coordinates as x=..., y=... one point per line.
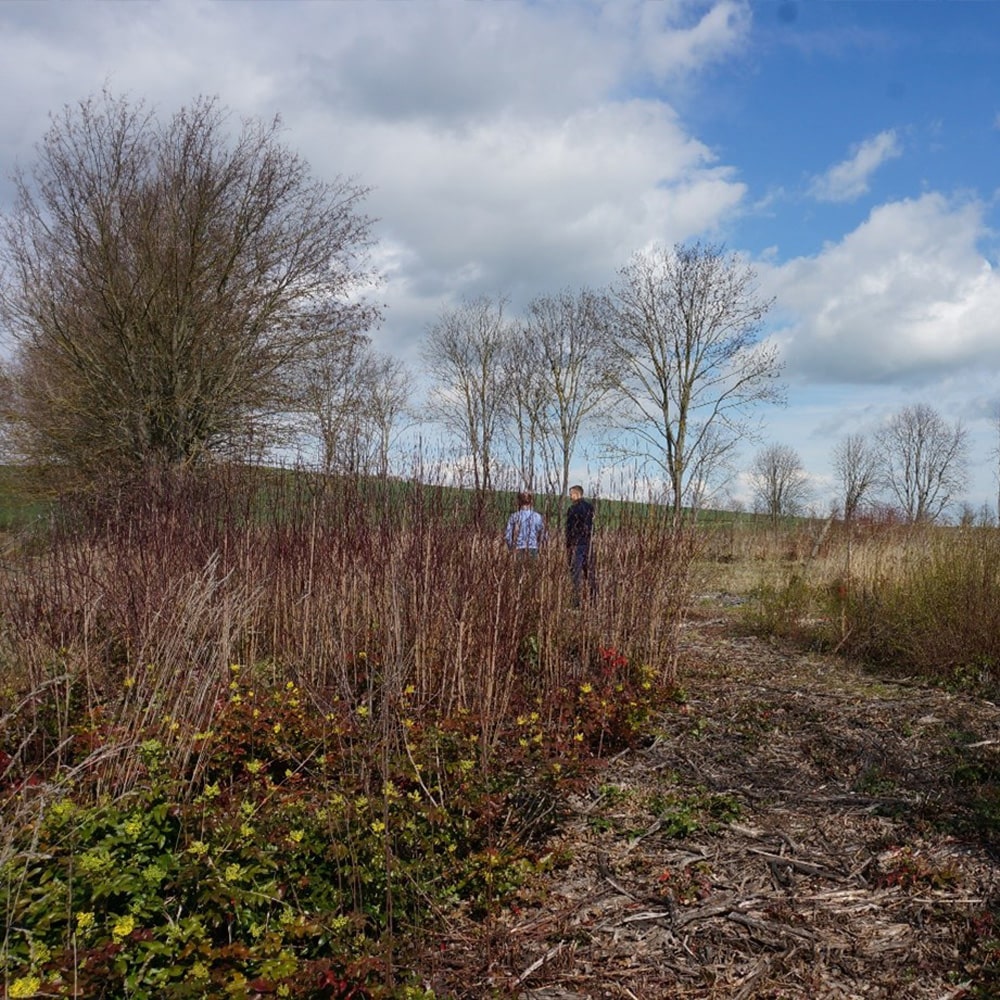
x=848, y=150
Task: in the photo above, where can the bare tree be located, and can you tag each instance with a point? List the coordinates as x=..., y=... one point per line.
x=6, y=412
x=333, y=395
x=391, y=388
x=162, y=277
x=779, y=483
x=465, y=354
x=525, y=412
x=567, y=334
x=686, y=329
x=352, y=400
x=856, y=465
x=923, y=461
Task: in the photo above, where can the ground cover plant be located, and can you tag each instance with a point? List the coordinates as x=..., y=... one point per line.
x=260, y=733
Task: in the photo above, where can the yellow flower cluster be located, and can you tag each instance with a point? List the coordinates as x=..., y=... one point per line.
x=27, y=986
x=132, y=827
x=63, y=809
x=40, y=952
x=94, y=862
x=123, y=926
x=153, y=874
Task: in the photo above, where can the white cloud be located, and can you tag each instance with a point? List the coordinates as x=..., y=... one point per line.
x=907, y=294
x=524, y=207
x=676, y=38
x=502, y=148
x=849, y=179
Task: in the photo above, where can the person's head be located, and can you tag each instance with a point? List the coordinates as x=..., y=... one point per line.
x=576, y=493
x=525, y=499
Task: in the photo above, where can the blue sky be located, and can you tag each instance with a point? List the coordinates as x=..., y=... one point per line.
x=848, y=149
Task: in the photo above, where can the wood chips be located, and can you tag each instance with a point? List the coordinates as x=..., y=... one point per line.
x=801, y=828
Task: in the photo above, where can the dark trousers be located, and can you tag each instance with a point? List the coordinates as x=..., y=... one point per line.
x=580, y=570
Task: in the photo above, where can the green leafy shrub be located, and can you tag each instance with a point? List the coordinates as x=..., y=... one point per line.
x=779, y=609
x=299, y=840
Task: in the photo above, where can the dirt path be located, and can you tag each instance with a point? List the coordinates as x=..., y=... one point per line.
x=801, y=829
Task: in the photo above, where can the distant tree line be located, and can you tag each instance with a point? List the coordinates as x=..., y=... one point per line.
x=180, y=288
x=916, y=463
x=665, y=365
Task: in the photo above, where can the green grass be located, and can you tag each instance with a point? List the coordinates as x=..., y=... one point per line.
x=17, y=505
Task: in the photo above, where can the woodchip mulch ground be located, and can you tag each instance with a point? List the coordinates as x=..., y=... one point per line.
x=802, y=828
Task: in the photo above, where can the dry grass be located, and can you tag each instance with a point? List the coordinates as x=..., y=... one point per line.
x=914, y=599
x=135, y=608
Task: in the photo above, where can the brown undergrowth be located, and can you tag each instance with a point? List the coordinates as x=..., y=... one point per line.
x=800, y=828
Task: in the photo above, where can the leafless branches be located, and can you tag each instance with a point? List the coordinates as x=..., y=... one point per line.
x=162, y=277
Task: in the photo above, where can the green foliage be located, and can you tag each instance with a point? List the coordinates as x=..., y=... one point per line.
x=273, y=878
x=684, y=815
x=296, y=845
x=778, y=609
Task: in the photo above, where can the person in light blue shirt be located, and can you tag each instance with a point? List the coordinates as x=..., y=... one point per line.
x=525, y=533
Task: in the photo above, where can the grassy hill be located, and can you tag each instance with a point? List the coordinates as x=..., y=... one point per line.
x=17, y=505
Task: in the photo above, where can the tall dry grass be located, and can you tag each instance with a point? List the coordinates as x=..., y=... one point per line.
x=916, y=599
x=132, y=613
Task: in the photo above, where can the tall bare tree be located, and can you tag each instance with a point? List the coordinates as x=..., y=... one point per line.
x=525, y=412
x=387, y=409
x=686, y=333
x=161, y=277
x=780, y=485
x=333, y=395
x=856, y=464
x=352, y=401
x=6, y=412
x=566, y=336
x=465, y=355
x=923, y=461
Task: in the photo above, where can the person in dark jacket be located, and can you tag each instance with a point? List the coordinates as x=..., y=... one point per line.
x=579, y=535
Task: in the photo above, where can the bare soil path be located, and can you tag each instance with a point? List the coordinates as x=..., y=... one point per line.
x=802, y=828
